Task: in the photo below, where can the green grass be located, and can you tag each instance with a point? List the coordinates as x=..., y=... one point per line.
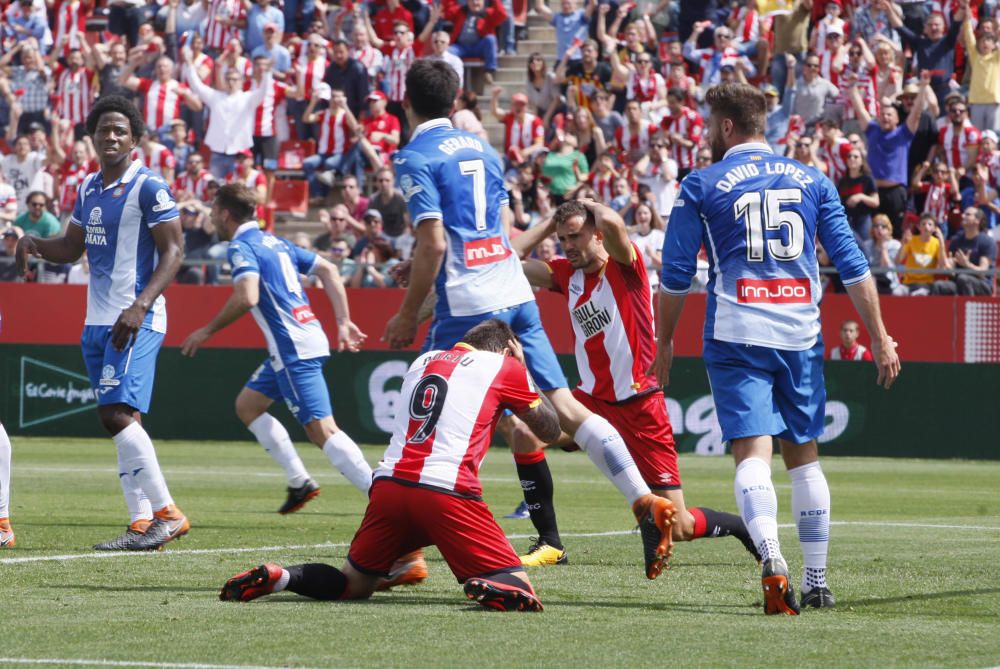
x=917, y=584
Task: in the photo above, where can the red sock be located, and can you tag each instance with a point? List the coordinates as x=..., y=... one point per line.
x=700, y=522
x=529, y=458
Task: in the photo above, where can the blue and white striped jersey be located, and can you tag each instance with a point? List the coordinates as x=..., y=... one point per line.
x=457, y=177
x=116, y=221
x=758, y=216
x=283, y=313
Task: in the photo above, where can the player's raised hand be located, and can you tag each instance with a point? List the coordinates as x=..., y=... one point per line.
x=25, y=247
x=124, y=330
x=350, y=337
x=886, y=360
x=516, y=352
x=662, y=363
x=400, y=331
x=194, y=342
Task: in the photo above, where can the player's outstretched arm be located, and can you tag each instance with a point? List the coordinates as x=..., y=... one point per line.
x=246, y=294
x=428, y=254
x=349, y=335
x=865, y=299
x=66, y=248
x=612, y=229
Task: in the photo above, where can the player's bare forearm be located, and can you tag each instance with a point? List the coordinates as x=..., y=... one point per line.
x=427, y=258
x=865, y=298
x=668, y=314
x=542, y=421
x=246, y=293
x=612, y=228
x=333, y=286
x=66, y=248
x=427, y=307
x=526, y=242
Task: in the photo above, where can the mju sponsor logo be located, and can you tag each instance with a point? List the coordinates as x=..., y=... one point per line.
x=485, y=251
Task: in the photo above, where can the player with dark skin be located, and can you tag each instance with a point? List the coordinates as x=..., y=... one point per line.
x=114, y=141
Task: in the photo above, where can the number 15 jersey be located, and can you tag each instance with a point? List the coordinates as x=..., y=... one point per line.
x=457, y=177
x=758, y=216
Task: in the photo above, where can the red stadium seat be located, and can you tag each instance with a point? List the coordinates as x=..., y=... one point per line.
x=291, y=195
x=292, y=152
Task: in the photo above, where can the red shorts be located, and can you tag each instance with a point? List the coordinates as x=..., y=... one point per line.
x=402, y=518
x=644, y=424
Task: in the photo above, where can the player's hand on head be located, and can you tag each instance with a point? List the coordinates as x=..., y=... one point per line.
x=516, y=351
x=350, y=337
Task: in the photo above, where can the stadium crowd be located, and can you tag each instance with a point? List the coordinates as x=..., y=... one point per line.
x=895, y=102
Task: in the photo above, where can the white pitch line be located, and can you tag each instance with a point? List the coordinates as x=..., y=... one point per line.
x=574, y=535
x=127, y=663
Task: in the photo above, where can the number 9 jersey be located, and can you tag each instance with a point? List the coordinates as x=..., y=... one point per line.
x=758, y=216
x=456, y=177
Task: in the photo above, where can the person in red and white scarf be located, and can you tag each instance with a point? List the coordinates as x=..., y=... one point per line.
x=162, y=96
x=834, y=57
x=643, y=83
x=632, y=140
x=849, y=348
x=523, y=130
x=941, y=193
x=603, y=177
x=363, y=51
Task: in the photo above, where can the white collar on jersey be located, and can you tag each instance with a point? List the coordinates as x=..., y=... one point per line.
x=748, y=146
x=430, y=125
x=246, y=227
x=127, y=176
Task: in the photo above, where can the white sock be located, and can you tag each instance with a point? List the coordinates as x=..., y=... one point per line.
x=138, y=504
x=273, y=436
x=348, y=459
x=136, y=452
x=282, y=582
x=605, y=448
x=811, y=508
x=758, y=505
x=4, y=473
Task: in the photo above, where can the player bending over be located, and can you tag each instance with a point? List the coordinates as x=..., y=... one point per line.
x=126, y=219
x=610, y=305
x=454, y=188
x=266, y=282
x=426, y=489
x=758, y=215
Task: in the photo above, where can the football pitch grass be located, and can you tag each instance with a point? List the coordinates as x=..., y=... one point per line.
x=914, y=566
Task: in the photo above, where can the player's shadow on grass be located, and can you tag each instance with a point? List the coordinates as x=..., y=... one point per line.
x=917, y=597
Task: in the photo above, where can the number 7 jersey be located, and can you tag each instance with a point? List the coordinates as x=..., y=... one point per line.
x=457, y=177
x=758, y=216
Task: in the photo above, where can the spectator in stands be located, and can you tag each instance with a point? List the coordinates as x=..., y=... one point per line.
x=888, y=75
x=926, y=135
x=939, y=195
x=260, y=14
x=849, y=348
x=984, y=196
x=37, y=221
x=230, y=126
x=373, y=233
x=156, y=156
x=364, y=51
x=524, y=133
x=543, y=93
x=871, y=22
x=385, y=20
x=309, y=71
x=267, y=116
x=335, y=151
x=467, y=117
x=339, y=252
x=72, y=169
x=633, y=139
x=791, y=37
x=298, y=14
x=162, y=96
x=881, y=251
x=473, y=28
x=8, y=268
x=372, y=266
x=658, y=171
x=583, y=78
x=246, y=174
x=21, y=169
x=561, y=165
x=590, y=140
x=958, y=141
x=805, y=149
x=25, y=23
x=925, y=250
x=859, y=195
x=182, y=17
x=712, y=59
x=780, y=112
x=833, y=148
x=934, y=51
x=888, y=146
x=604, y=117
x=571, y=25
x=79, y=273
x=276, y=52
x=356, y=203
x=177, y=142
x=192, y=184
x=337, y=230
x=974, y=254
x=812, y=92
x=390, y=204
x=126, y=16
x=682, y=128
x=73, y=93
x=349, y=75
x=396, y=64
x=984, y=81
x=643, y=83
x=232, y=59
x=8, y=202
x=199, y=238
x=382, y=129
x=31, y=77
x=647, y=234
x=110, y=62
x=440, y=41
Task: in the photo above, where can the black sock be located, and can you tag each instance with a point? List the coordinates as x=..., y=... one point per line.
x=509, y=579
x=316, y=580
x=536, y=484
x=712, y=523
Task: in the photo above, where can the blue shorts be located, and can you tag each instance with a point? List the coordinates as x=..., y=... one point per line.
x=526, y=323
x=300, y=384
x=121, y=377
x=760, y=391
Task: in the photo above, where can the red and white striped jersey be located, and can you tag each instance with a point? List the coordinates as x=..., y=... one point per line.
x=252, y=179
x=71, y=176
x=396, y=65
x=835, y=158
x=310, y=75
x=448, y=407
x=632, y=144
x=867, y=86
x=197, y=184
x=957, y=142
x=828, y=70
x=243, y=65
x=71, y=22
x=162, y=101
x=370, y=57
x=823, y=27
x=158, y=158
x=688, y=124
x=939, y=200
x=204, y=63
x=217, y=35
x=334, y=133
x=264, y=116
x=644, y=89
x=992, y=162
x=74, y=93
x=747, y=29
x=603, y=185
x=611, y=312
x=857, y=352
x=520, y=134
